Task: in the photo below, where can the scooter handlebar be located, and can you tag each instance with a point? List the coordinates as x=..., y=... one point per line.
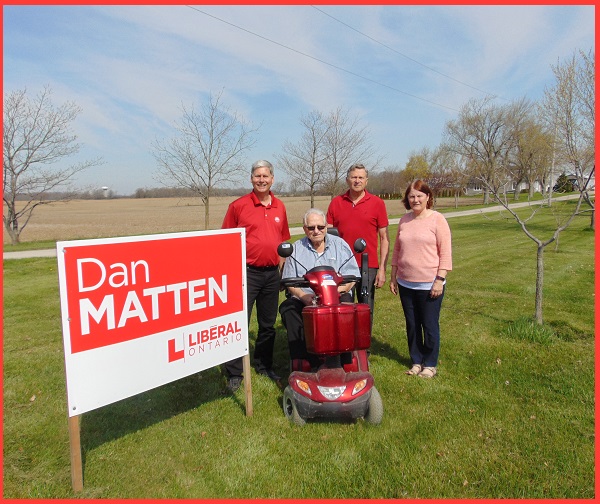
x=295, y=282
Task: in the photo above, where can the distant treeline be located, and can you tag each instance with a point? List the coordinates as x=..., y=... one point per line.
x=172, y=192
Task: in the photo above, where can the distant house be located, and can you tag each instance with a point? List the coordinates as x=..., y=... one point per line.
x=475, y=187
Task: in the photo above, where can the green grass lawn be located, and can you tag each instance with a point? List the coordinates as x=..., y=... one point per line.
x=510, y=414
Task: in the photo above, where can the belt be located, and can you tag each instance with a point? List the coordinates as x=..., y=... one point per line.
x=262, y=268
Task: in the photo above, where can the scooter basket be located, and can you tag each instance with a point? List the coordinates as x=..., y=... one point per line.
x=334, y=329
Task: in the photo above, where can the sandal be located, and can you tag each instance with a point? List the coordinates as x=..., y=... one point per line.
x=428, y=372
x=414, y=370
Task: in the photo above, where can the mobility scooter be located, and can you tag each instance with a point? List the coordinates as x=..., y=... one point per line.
x=341, y=387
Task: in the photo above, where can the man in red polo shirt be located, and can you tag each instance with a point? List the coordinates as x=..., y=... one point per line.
x=265, y=220
x=360, y=214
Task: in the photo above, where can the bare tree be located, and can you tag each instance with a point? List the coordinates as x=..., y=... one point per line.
x=446, y=172
x=482, y=134
x=207, y=150
x=530, y=158
x=346, y=142
x=388, y=181
x=37, y=137
x=568, y=108
x=499, y=133
x=305, y=161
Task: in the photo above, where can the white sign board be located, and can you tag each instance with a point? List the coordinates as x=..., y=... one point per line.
x=140, y=312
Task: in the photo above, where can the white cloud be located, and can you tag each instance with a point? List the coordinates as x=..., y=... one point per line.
x=132, y=67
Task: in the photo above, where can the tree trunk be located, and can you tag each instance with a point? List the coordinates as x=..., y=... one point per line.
x=206, y=213
x=12, y=228
x=486, y=196
x=14, y=237
x=539, y=285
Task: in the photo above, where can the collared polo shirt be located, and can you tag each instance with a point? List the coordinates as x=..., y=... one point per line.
x=362, y=220
x=266, y=227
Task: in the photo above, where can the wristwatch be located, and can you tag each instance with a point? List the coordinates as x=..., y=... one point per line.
x=438, y=277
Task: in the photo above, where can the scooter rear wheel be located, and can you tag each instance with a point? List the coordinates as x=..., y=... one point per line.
x=374, y=414
x=289, y=407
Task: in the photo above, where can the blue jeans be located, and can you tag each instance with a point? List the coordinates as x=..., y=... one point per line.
x=422, y=314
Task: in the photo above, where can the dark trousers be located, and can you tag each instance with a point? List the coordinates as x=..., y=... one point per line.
x=263, y=290
x=422, y=314
x=371, y=275
x=291, y=317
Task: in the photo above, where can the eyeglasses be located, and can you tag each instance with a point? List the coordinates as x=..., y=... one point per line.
x=312, y=228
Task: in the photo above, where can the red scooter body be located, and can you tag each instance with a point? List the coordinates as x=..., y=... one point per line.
x=339, y=333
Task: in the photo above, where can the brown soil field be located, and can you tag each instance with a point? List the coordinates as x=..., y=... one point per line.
x=83, y=219
x=80, y=219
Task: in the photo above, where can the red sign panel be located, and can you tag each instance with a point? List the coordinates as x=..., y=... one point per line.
x=128, y=290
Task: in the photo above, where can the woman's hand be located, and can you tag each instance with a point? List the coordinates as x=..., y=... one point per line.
x=394, y=281
x=436, y=289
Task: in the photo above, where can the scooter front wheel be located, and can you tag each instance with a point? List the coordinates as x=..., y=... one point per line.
x=374, y=414
x=289, y=407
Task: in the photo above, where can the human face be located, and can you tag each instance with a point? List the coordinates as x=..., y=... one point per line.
x=357, y=180
x=417, y=201
x=316, y=236
x=261, y=180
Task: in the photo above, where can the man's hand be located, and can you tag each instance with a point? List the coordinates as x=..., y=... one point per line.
x=380, y=278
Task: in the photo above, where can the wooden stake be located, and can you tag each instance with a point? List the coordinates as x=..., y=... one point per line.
x=247, y=384
x=76, y=464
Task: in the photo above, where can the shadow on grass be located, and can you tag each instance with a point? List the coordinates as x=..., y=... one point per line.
x=154, y=406
x=148, y=408
x=384, y=349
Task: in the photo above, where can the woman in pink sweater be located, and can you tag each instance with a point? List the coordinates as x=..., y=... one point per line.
x=421, y=260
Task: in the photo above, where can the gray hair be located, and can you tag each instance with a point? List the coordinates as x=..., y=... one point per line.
x=315, y=211
x=357, y=166
x=262, y=163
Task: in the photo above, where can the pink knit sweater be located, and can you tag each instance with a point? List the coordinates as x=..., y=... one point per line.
x=422, y=247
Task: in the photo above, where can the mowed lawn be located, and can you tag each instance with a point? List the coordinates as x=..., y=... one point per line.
x=510, y=415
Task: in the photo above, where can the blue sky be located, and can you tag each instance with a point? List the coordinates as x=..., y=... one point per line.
x=405, y=70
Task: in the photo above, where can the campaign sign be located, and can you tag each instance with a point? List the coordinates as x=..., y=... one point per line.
x=140, y=312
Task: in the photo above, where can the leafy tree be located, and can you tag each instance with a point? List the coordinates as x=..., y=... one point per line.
x=417, y=166
x=564, y=184
x=37, y=137
x=206, y=151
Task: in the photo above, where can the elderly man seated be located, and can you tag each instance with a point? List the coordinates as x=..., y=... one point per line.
x=317, y=248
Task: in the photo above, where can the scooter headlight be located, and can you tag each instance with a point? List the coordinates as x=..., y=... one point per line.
x=332, y=393
x=358, y=386
x=302, y=385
